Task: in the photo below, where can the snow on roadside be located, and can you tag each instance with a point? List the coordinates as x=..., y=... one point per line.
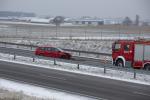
x=39, y=92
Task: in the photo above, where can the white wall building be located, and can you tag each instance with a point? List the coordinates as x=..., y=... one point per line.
x=90, y=21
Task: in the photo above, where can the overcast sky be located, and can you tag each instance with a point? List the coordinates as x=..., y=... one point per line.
x=77, y=8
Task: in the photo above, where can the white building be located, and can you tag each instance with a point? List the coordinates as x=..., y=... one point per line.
x=98, y=21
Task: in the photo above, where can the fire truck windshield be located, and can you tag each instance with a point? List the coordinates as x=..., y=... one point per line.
x=116, y=46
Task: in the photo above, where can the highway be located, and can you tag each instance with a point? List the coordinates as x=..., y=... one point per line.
x=101, y=88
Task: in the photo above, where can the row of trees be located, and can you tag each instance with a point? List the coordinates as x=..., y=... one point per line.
x=128, y=21
x=16, y=14
x=58, y=20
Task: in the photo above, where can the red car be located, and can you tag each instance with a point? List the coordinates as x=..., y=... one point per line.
x=52, y=52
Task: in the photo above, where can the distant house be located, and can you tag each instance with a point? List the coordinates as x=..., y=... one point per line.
x=108, y=21
x=90, y=21
x=145, y=23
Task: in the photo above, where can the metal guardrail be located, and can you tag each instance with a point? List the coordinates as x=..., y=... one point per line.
x=79, y=51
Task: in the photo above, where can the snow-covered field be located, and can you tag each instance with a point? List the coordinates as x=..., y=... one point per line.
x=71, y=32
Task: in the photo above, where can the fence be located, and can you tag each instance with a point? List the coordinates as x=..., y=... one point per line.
x=72, y=32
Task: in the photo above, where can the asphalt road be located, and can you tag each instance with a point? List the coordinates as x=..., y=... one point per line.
x=101, y=88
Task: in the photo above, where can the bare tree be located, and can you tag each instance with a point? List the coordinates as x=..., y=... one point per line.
x=57, y=21
x=127, y=21
x=137, y=20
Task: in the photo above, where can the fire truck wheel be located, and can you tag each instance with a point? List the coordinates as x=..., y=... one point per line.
x=147, y=67
x=120, y=63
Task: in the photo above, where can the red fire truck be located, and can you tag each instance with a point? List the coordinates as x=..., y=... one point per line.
x=131, y=53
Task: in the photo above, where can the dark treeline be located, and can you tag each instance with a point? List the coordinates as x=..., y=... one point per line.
x=16, y=14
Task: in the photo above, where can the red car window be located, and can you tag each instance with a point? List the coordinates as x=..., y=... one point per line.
x=49, y=49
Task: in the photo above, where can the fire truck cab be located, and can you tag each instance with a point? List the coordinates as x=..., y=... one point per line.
x=131, y=53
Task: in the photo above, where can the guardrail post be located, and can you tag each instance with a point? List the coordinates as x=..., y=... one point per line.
x=79, y=53
x=14, y=56
x=5, y=44
x=54, y=61
x=104, y=62
x=134, y=74
x=78, y=66
x=104, y=69
x=33, y=59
